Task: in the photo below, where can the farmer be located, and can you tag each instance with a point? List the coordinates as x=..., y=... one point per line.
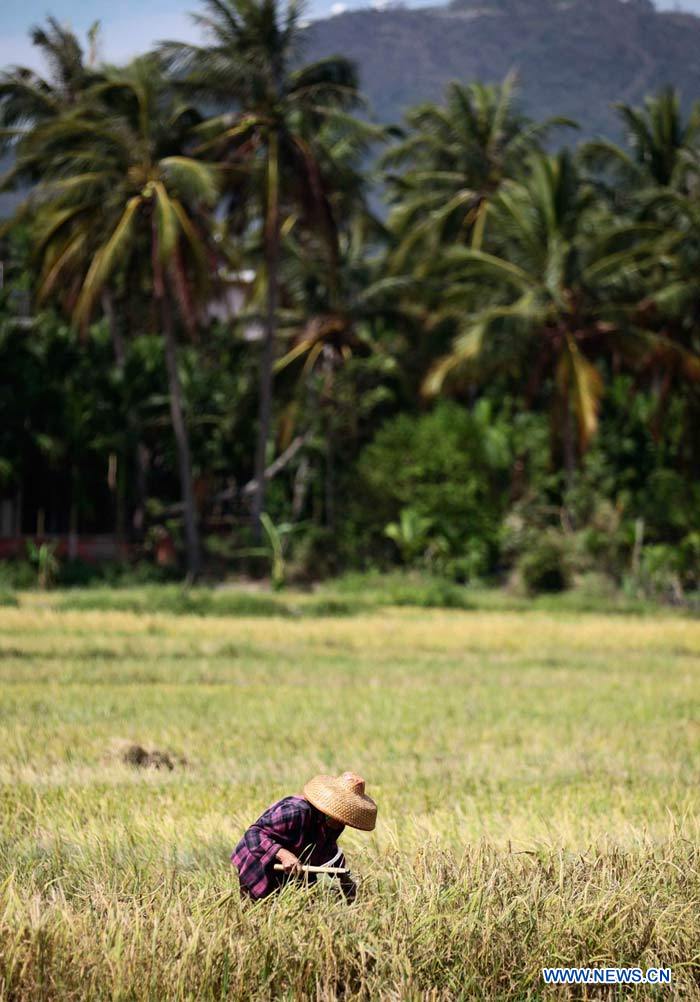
x=302, y=830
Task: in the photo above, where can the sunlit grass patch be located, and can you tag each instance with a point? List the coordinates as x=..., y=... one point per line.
x=537, y=777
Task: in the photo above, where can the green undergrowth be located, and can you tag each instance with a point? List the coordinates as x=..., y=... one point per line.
x=350, y=595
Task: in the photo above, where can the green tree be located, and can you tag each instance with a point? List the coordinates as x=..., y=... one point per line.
x=655, y=178
x=274, y=108
x=120, y=197
x=658, y=140
x=436, y=484
x=336, y=316
x=28, y=99
x=562, y=289
x=453, y=161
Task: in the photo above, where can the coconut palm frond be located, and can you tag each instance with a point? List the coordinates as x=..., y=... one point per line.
x=109, y=255
x=194, y=180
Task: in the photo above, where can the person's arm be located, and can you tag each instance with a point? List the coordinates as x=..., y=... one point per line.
x=281, y=823
x=289, y=861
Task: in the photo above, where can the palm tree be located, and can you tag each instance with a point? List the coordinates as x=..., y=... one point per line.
x=563, y=288
x=120, y=197
x=335, y=313
x=28, y=99
x=655, y=178
x=454, y=160
x=273, y=109
x=658, y=139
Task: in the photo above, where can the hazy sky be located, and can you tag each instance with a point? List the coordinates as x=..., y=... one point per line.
x=131, y=25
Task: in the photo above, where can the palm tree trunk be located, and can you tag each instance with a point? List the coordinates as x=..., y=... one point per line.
x=119, y=487
x=114, y=330
x=132, y=424
x=569, y=432
x=73, y=515
x=479, y=225
x=272, y=240
x=330, y=476
x=19, y=496
x=142, y=464
x=301, y=482
x=182, y=443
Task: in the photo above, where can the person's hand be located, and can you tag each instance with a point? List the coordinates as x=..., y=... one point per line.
x=289, y=861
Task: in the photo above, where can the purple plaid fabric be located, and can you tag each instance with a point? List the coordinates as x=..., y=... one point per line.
x=291, y=823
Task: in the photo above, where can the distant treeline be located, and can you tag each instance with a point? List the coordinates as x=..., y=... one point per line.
x=209, y=336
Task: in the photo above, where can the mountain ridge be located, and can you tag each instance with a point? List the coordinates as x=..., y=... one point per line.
x=571, y=58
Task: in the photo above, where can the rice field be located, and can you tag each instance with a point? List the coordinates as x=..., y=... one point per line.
x=537, y=776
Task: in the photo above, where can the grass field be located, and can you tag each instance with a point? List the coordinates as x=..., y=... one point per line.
x=536, y=772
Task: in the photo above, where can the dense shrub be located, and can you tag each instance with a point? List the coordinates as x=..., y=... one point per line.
x=544, y=567
x=16, y=574
x=438, y=482
x=667, y=572
x=312, y=555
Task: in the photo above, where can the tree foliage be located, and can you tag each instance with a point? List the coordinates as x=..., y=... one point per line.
x=496, y=368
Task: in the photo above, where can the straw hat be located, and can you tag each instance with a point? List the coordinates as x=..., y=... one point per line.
x=343, y=798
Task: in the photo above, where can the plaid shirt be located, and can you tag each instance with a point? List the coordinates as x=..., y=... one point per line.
x=291, y=823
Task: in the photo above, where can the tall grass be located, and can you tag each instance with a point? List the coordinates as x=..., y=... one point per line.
x=536, y=774
x=114, y=922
